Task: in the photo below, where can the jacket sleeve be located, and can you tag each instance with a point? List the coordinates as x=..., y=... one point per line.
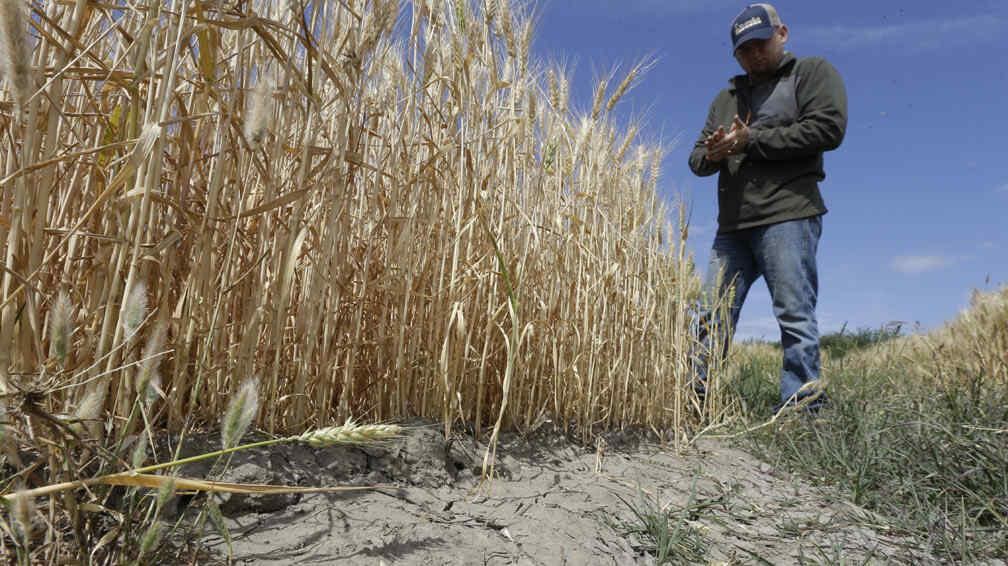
x=822, y=117
x=698, y=157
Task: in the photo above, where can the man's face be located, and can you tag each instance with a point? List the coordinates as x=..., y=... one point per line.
x=761, y=57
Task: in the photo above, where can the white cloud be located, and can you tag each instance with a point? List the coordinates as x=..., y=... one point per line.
x=914, y=264
x=912, y=37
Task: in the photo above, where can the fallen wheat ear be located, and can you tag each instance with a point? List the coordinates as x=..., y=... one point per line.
x=350, y=433
x=347, y=433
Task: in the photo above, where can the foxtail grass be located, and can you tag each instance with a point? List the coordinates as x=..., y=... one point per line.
x=15, y=50
x=61, y=327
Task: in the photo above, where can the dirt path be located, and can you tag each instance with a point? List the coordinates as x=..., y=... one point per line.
x=554, y=503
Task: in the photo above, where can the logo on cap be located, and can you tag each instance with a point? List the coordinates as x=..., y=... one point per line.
x=751, y=22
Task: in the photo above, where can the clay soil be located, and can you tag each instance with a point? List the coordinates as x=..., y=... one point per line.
x=553, y=501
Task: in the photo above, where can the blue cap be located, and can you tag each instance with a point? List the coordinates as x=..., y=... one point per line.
x=757, y=21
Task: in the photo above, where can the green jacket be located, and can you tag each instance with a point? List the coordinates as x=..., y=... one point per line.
x=793, y=119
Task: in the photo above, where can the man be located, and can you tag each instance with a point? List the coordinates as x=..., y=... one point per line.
x=765, y=136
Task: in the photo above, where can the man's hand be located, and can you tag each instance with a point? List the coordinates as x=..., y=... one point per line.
x=720, y=144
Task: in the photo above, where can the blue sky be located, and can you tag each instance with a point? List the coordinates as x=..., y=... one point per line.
x=918, y=192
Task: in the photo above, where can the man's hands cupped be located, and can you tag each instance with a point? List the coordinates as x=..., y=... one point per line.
x=722, y=144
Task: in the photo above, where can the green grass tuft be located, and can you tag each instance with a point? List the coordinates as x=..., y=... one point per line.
x=921, y=440
x=667, y=534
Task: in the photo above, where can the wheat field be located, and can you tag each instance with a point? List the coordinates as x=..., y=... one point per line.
x=284, y=215
x=377, y=209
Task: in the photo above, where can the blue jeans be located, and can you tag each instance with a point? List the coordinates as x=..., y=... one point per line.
x=785, y=255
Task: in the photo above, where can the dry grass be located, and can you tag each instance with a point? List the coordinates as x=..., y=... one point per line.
x=376, y=210
x=973, y=346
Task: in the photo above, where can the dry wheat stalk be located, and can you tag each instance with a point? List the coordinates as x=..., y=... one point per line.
x=418, y=224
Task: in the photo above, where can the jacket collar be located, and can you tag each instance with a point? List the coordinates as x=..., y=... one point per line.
x=786, y=62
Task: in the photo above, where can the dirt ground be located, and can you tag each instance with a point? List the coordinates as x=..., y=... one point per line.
x=553, y=502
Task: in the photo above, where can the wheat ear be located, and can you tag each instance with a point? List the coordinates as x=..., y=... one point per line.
x=350, y=433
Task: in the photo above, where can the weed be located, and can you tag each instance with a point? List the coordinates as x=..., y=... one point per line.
x=669, y=534
x=838, y=344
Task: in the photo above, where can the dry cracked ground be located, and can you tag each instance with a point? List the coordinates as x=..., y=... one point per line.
x=553, y=502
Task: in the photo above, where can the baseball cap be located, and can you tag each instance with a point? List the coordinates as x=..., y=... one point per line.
x=757, y=21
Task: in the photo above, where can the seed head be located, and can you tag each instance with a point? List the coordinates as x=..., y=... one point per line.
x=217, y=518
x=240, y=413
x=165, y=492
x=379, y=23
x=525, y=43
x=4, y=432
x=260, y=111
x=600, y=92
x=628, y=81
x=350, y=433
x=90, y=407
x=295, y=10
x=135, y=310
x=505, y=25
x=490, y=12
x=60, y=327
x=23, y=509
x=15, y=49
x=139, y=455
x=147, y=378
x=151, y=538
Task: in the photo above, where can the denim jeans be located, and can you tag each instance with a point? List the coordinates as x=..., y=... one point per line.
x=785, y=255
